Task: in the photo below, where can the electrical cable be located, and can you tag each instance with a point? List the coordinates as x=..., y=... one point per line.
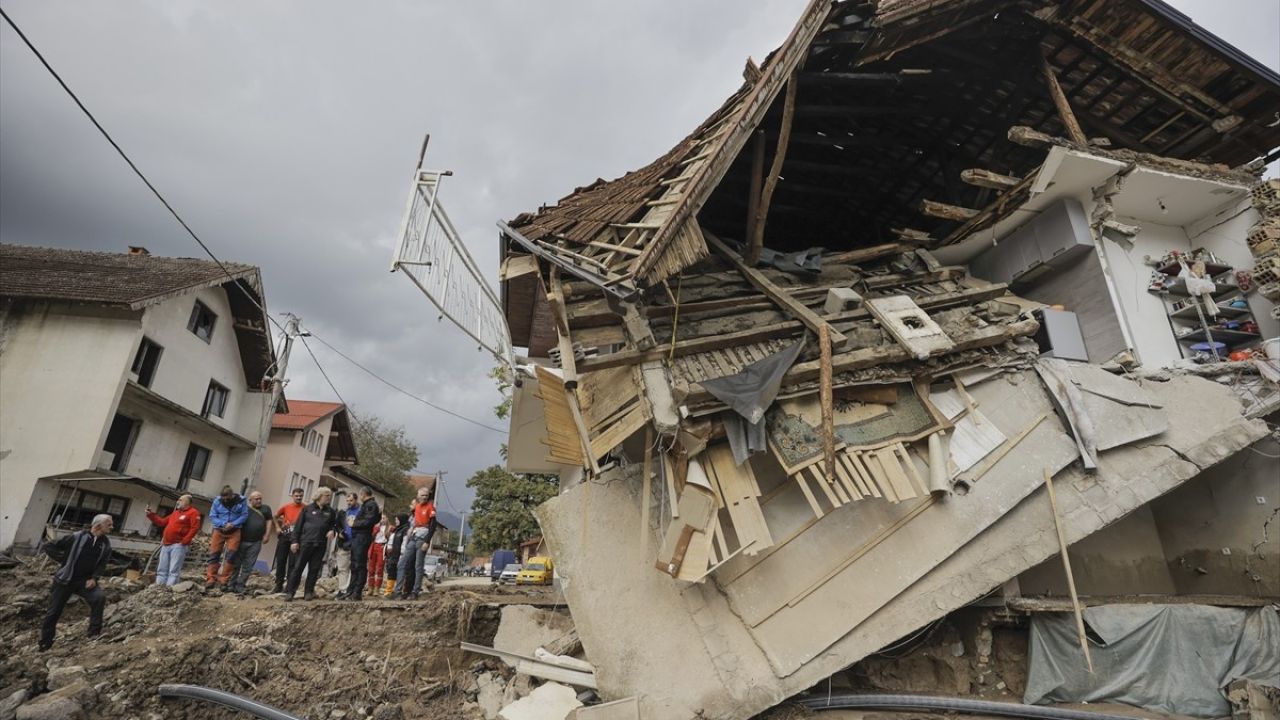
x=155, y=191
x=132, y=166
x=401, y=390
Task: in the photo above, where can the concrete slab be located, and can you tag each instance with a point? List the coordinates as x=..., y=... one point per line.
x=683, y=651
x=523, y=629
x=551, y=701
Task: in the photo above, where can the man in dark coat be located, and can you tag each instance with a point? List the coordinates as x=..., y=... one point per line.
x=361, y=538
x=316, y=525
x=87, y=554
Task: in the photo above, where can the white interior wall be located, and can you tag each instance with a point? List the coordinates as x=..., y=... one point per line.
x=1145, y=311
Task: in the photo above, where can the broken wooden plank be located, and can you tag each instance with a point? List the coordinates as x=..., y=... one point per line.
x=936, y=209
x=885, y=354
x=853, y=257
x=789, y=328
x=988, y=179
x=775, y=293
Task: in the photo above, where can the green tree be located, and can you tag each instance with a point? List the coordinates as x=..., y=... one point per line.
x=386, y=456
x=502, y=513
x=501, y=376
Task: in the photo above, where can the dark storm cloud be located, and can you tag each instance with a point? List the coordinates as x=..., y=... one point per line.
x=285, y=133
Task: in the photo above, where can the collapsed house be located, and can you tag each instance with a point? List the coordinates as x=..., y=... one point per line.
x=944, y=288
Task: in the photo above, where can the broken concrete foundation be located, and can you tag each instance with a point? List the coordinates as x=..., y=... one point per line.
x=716, y=648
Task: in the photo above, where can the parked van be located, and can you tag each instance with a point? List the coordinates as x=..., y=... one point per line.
x=500, y=560
x=538, y=571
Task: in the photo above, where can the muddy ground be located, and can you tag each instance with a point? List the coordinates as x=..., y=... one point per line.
x=319, y=659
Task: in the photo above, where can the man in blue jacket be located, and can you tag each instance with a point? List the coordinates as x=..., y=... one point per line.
x=227, y=516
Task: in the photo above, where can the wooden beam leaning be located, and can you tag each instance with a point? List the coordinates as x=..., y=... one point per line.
x=784, y=300
x=757, y=180
x=755, y=241
x=1066, y=564
x=1065, y=114
x=828, y=403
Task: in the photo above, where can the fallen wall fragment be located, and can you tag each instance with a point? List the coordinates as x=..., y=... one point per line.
x=739, y=644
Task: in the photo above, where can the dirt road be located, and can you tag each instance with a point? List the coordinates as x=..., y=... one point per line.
x=319, y=659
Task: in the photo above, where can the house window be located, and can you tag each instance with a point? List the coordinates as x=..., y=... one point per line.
x=296, y=482
x=311, y=486
x=311, y=441
x=202, y=321
x=194, y=466
x=120, y=439
x=77, y=508
x=145, y=361
x=155, y=532
x=215, y=400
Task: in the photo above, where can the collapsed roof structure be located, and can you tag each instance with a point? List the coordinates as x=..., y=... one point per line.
x=798, y=412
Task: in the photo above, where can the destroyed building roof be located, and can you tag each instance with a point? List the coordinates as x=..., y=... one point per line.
x=138, y=280
x=891, y=106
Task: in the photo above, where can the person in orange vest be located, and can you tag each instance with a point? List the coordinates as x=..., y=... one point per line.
x=180, y=527
x=422, y=516
x=285, y=519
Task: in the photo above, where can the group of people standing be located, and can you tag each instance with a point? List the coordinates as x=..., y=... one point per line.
x=368, y=548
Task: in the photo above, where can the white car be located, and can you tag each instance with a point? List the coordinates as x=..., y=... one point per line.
x=433, y=567
x=509, y=573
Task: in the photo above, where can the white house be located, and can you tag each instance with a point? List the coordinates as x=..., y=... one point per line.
x=310, y=446
x=125, y=380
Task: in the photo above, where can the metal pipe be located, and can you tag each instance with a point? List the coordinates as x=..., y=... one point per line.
x=887, y=701
x=231, y=700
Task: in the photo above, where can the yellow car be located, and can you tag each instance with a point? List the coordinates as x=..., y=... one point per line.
x=538, y=571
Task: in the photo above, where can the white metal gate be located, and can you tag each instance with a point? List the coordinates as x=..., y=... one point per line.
x=431, y=254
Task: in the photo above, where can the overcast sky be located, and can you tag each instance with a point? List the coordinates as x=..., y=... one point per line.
x=285, y=133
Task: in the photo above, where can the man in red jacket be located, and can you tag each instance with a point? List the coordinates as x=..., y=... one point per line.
x=180, y=528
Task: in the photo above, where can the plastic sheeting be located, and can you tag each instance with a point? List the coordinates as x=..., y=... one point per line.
x=1166, y=658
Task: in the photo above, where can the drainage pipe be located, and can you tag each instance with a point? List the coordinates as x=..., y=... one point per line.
x=885, y=701
x=231, y=700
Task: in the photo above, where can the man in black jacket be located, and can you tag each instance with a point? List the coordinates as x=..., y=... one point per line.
x=316, y=524
x=361, y=538
x=87, y=554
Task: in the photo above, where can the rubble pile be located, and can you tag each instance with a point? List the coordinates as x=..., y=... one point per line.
x=320, y=659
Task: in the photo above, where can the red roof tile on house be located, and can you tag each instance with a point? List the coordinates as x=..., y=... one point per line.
x=303, y=414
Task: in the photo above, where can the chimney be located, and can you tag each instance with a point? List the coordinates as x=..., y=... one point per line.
x=138, y=250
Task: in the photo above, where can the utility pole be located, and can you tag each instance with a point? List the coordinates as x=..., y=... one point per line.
x=277, y=380
x=462, y=532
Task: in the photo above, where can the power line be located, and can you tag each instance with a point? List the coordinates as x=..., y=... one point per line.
x=355, y=419
x=154, y=191
x=402, y=391
x=124, y=156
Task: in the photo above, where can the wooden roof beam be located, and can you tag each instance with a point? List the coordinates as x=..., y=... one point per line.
x=1143, y=69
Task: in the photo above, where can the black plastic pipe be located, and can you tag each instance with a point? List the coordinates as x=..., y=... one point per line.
x=885, y=701
x=231, y=700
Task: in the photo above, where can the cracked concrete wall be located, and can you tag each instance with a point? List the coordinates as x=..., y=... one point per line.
x=1221, y=532
x=683, y=651
x=1123, y=559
